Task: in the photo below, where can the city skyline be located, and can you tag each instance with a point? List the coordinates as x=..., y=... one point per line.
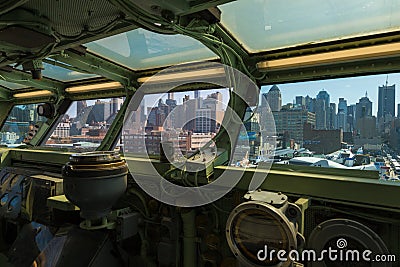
x=351, y=89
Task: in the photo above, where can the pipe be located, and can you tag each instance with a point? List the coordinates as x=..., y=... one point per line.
x=141, y=198
x=189, y=238
x=9, y=5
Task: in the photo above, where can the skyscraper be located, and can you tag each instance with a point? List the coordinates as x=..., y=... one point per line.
x=351, y=117
x=116, y=104
x=310, y=103
x=342, y=114
x=398, y=110
x=300, y=100
x=209, y=116
x=386, y=98
x=80, y=106
x=322, y=114
x=274, y=98
x=332, y=119
x=363, y=107
x=342, y=105
x=292, y=121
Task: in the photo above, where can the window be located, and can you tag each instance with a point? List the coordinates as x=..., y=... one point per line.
x=351, y=122
x=21, y=124
x=188, y=119
x=85, y=124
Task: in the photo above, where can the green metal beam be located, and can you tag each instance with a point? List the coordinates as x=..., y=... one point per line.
x=98, y=94
x=5, y=107
x=39, y=156
x=47, y=127
x=116, y=127
x=334, y=45
x=62, y=65
x=5, y=93
x=349, y=189
x=349, y=69
x=228, y=39
x=123, y=26
x=26, y=101
x=332, y=70
x=231, y=53
x=16, y=76
x=323, y=186
x=92, y=63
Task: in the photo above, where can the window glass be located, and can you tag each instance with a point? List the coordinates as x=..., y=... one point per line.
x=85, y=124
x=63, y=74
x=348, y=123
x=21, y=124
x=11, y=84
x=189, y=120
x=267, y=24
x=143, y=49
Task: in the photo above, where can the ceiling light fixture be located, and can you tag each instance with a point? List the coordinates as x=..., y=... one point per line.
x=183, y=76
x=37, y=93
x=347, y=55
x=93, y=87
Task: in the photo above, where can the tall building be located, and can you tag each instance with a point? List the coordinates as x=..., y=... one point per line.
x=342, y=114
x=204, y=121
x=157, y=115
x=252, y=121
x=363, y=108
x=342, y=121
x=351, y=117
x=135, y=119
x=274, y=98
x=367, y=127
x=100, y=112
x=23, y=113
x=210, y=114
x=300, y=100
x=214, y=99
x=394, y=134
x=310, y=103
x=322, y=111
x=292, y=121
x=342, y=105
x=171, y=103
x=398, y=110
x=187, y=117
x=332, y=118
x=264, y=109
x=116, y=104
x=386, y=98
x=80, y=106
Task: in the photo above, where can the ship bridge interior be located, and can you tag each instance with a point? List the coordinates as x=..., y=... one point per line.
x=136, y=133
